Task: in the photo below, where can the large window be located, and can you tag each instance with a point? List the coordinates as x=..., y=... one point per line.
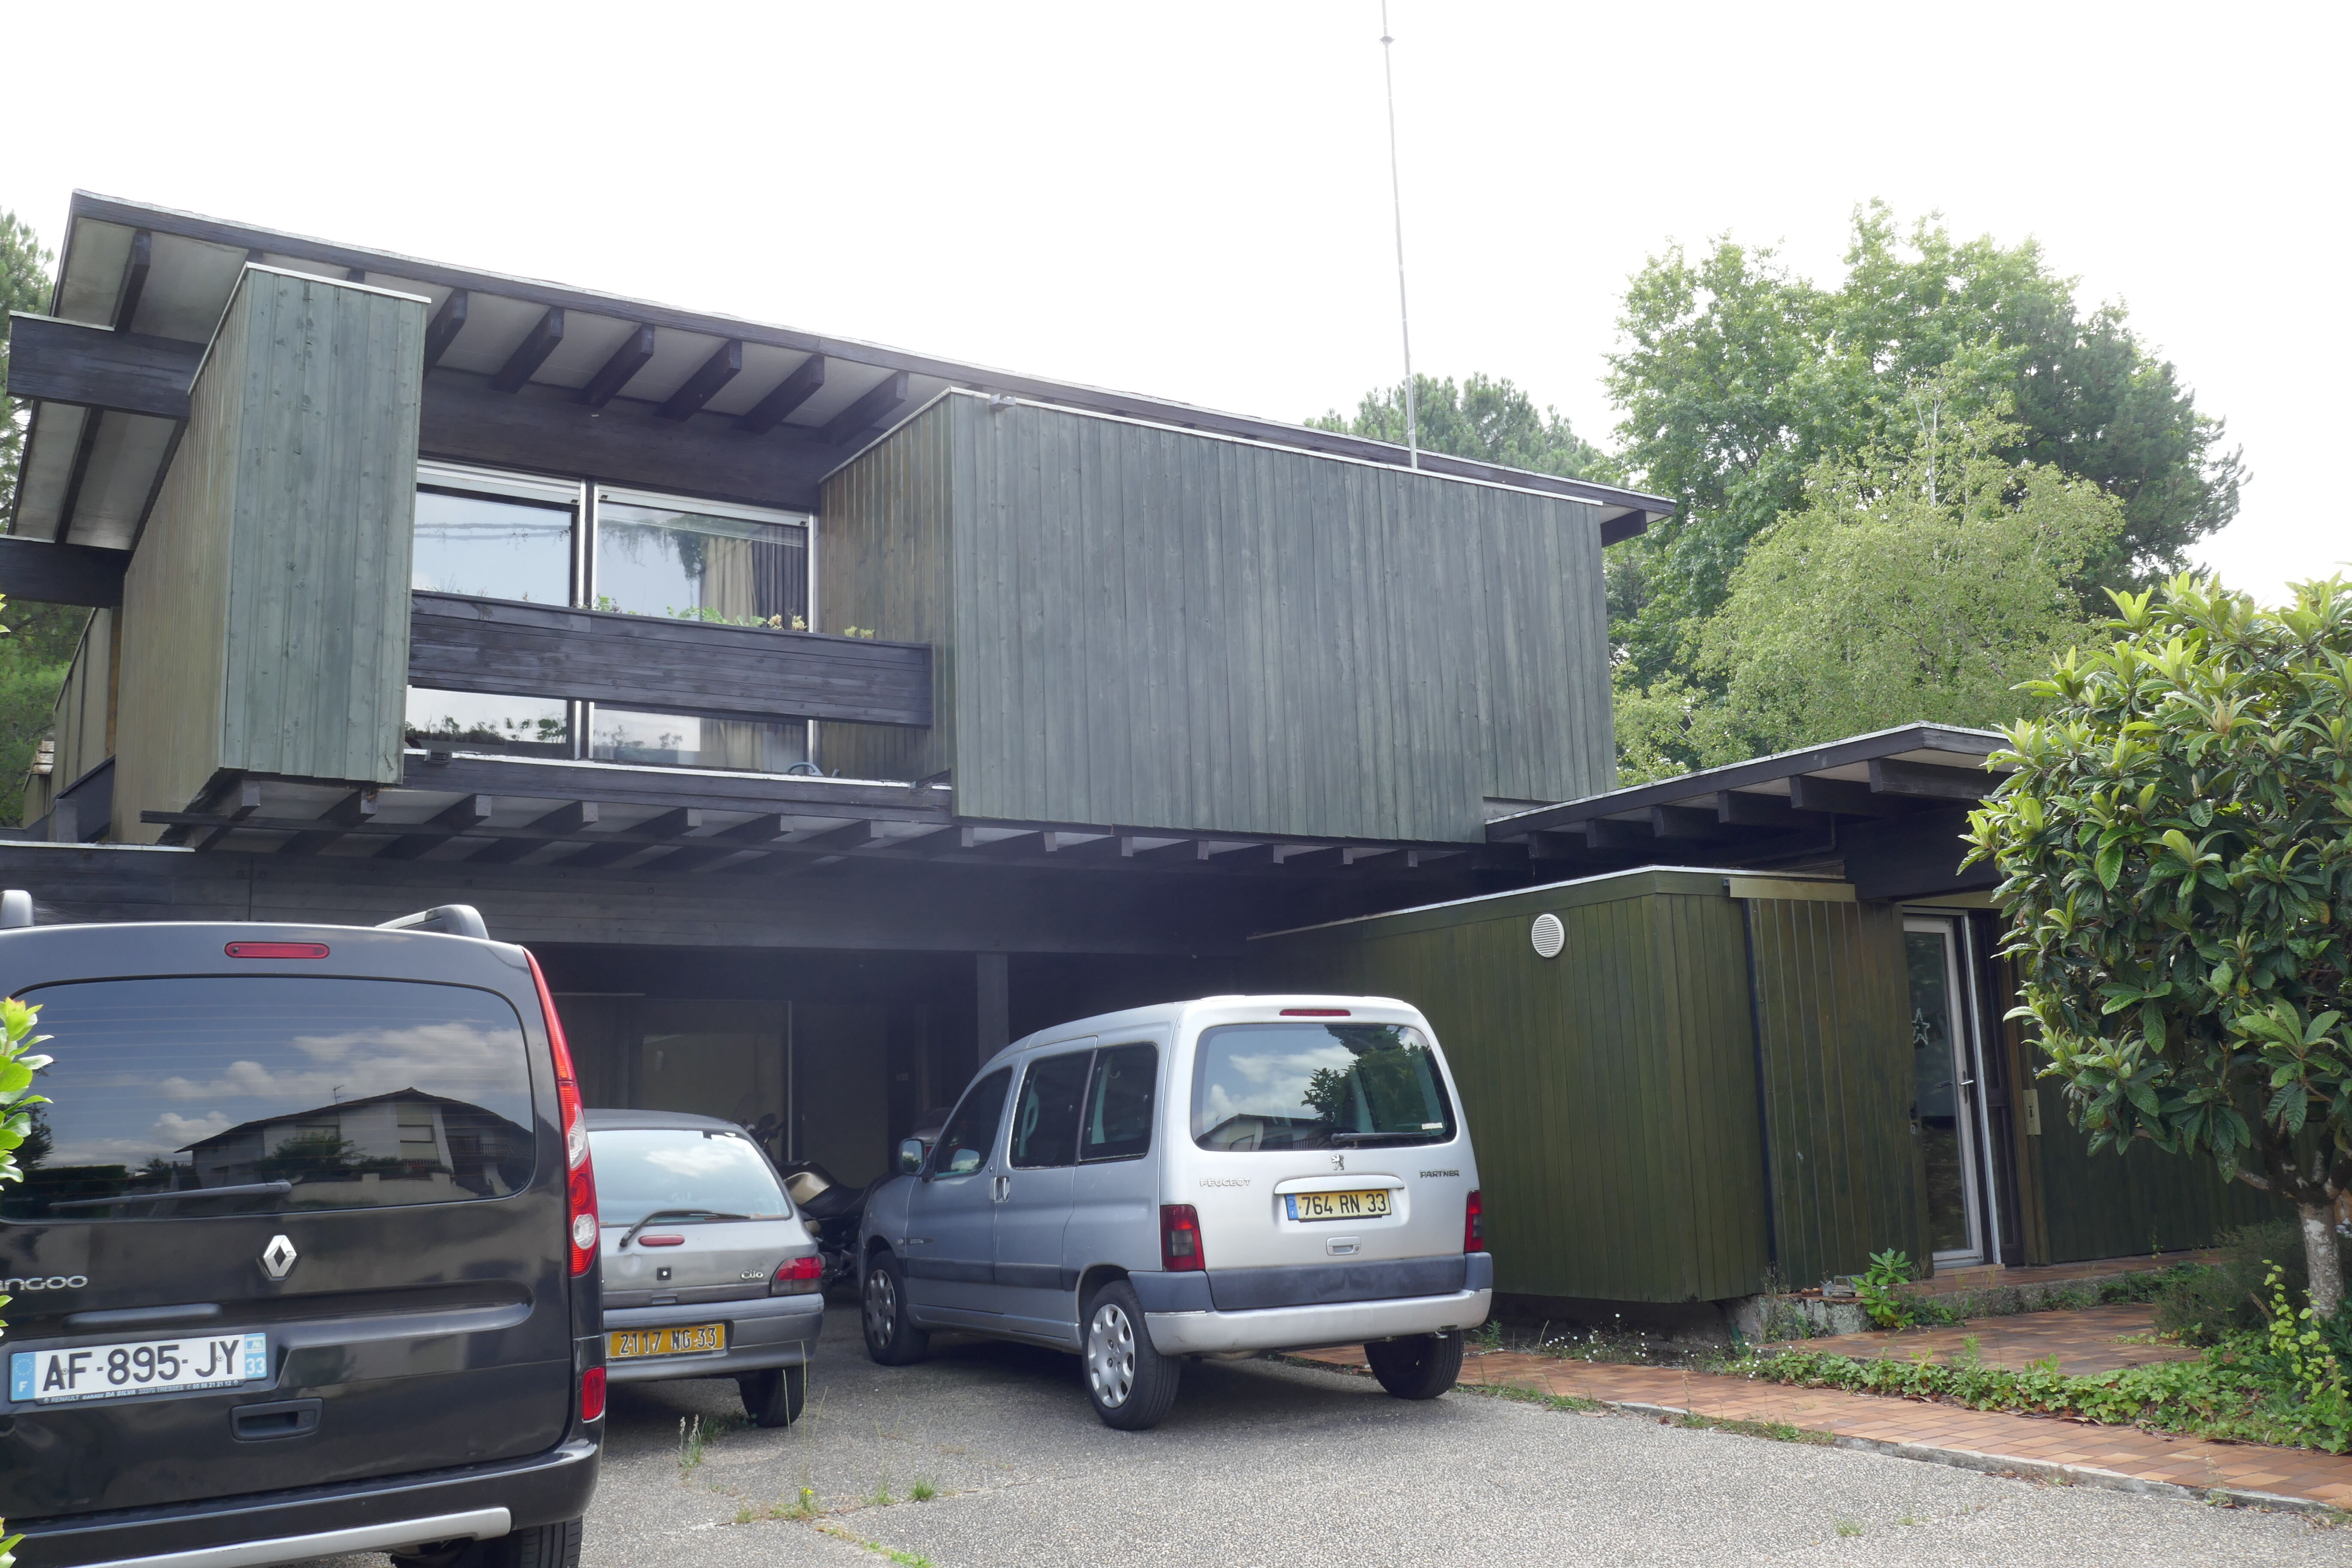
x=1317, y=1086
x=497, y=535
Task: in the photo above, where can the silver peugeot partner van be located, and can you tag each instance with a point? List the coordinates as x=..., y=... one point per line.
x=1215, y=1178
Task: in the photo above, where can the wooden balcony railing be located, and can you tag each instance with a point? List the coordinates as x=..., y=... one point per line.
x=513, y=650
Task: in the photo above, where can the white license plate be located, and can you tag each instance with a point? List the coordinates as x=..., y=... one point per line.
x=137, y=1366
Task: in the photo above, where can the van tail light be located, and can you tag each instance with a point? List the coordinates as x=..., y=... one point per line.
x=592, y=1394
x=797, y=1275
x=580, y=1174
x=1180, y=1239
x=1473, y=1225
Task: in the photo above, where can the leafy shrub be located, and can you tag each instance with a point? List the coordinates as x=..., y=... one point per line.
x=1879, y=1289
x=2202, y=1303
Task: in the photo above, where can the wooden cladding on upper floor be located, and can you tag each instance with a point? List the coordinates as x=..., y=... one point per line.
x=513, y=650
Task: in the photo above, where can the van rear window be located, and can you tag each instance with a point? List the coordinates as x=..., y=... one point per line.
x=1317, y=1086
x=259, y=1094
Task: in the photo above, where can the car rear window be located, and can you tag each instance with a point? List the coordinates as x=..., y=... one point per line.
x=684, y=1171
x=256, y=1094
x=1317, y=1086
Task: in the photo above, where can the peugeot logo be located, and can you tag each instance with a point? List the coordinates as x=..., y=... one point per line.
x=1339, y=1162
x=277, y=1259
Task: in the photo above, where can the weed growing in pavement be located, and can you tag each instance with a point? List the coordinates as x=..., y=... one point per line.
x=1849, y=1527
x=905, y=1559
x=880, y=1496
x=1970, y=1353
x=1910, y=1519
x=1773, y=1431
x=803, y=1506
x=923, y=1490
x=690, y=1444
x=1532, y=1396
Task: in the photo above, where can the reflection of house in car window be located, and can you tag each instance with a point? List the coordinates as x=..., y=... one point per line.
x=407, y=1146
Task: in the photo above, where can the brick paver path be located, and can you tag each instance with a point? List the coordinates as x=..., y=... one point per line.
x=2086, y=1341
x=1991, y=1440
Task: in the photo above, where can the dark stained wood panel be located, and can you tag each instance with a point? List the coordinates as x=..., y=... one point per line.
x=35, y=570
x=69, y=362
x=671, y=666
x=1151, y=625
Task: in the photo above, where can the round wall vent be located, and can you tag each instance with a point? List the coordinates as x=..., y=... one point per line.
x=1548, y=935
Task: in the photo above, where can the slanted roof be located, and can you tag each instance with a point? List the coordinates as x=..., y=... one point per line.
x=501, y=345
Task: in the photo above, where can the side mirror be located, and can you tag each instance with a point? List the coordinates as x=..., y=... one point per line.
x=910, y=1156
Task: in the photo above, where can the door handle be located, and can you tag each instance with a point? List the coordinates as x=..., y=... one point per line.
x=281, y=1418
x=1003, y=1188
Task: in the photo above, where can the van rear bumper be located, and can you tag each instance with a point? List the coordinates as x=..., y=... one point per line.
x=269, y=1528
x=1304, y=1328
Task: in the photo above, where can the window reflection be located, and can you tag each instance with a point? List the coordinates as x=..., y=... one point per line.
x=482, y=722
x=740, y=570
x=492, y=546
x=670, y=740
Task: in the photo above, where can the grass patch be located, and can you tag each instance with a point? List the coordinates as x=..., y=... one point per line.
x=1773, y=1431
x=905, y=1559
x=1849, y=1527
x=1517, y=1395
x=923, y=1490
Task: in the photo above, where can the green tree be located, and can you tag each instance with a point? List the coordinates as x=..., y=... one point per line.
x=1736, y=377
x=33, y=660
x=18, y=1062
x=1924, y=584
x=2176, y=849
x=1490, y=421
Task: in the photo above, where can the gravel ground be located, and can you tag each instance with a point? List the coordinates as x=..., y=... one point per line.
x=1267, y=1464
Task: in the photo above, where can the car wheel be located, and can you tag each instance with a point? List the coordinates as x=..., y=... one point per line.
x=535, y=1546
x=890, y=1338
x=1133, y=1385
x=1418, y=1366
x=773, y=1397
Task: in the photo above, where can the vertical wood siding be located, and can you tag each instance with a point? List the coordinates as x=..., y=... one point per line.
x=265, y=608
x=2123, y=1206
x=1611, y=1092
x=882, y=555
x=1834, y=1015
x=1154, y=627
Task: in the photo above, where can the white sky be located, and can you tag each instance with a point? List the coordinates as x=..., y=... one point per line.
x=1193, y=200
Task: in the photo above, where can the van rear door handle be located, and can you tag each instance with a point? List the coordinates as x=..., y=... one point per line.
x=280, y=1418
x=1003, y=1188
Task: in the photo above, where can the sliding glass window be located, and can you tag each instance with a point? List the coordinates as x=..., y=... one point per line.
x=700, y=560
x=494, y=536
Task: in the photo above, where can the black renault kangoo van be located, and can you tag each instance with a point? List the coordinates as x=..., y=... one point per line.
x=303, y=1258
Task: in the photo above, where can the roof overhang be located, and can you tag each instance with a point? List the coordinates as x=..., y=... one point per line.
x=761, y=409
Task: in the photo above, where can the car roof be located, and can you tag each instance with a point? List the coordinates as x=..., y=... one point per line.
x=675, y=1121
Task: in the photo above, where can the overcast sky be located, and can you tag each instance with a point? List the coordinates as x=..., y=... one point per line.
x=1194, y=200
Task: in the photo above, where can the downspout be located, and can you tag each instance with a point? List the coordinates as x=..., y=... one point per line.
x=1763, y=1092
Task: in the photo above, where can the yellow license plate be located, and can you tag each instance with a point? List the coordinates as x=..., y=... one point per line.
x=695, y=1339
x=1372, y=1204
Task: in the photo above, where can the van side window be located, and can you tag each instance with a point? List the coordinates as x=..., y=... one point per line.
x=971, y=1132
x=1045, y=1124
x=1118, y=1103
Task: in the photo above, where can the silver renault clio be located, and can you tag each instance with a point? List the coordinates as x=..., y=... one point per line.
x=708, y=1271
x=1213, y=1178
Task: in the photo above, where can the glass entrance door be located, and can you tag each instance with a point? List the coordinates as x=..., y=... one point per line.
x=1945, y=1108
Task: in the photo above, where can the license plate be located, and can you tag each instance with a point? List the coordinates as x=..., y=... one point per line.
x=137, y=1366
x=1372, y=1204
x=695, y=1339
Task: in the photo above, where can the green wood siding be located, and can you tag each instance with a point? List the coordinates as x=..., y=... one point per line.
x=265, y=609
x=1832, y=1000
x=2121, y=1206
x=1165, y=629
x=1611, y=1092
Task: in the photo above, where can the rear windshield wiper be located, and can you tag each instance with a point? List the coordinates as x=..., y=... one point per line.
x=251, y=1190
x=667, y=1214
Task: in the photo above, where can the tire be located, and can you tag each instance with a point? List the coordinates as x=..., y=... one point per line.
x=534, y=1546
x=891, y=1339
x=774, y=1397
x=1131, y=1384
x=1419, y=1366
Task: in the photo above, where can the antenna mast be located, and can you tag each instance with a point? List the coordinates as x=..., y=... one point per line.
x=1396, y=203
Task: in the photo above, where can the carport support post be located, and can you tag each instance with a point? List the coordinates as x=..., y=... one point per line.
x=994, y=974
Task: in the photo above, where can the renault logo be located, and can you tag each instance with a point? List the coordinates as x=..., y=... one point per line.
x=277, y=1259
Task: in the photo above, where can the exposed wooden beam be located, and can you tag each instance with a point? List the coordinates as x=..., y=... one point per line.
x=1562, y=843
x=134, y=279
x=1017, y=846
x=596, y=853
x=1183, y=852
x=354, y=809
x=765, y=827
x=725, y=364
x=626, y=361
x=448, y=323
x=469, y=811
x=673, y=824
x=1746, y=808
x=47, y=573
x=806, y=380
x=80, y=471
x=1607, y=833
x=248, y=800
x=946, y=841
x=1841, y=797
x=532, y=353
x=868, y=411
x=1685, y=822
x=835, y=840
x=1925, y=781
x=73, y=361
x=563, y=821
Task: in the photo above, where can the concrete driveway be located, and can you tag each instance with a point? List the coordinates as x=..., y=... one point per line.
x=1284, y=1467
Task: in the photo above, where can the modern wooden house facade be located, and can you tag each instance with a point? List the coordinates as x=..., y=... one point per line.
x=826, y=715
